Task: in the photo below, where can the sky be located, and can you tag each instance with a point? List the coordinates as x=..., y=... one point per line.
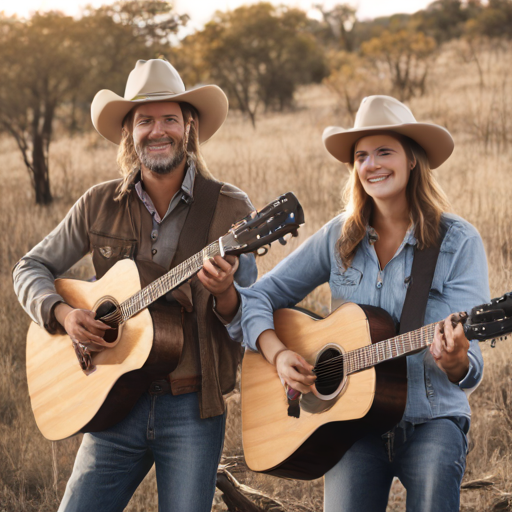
x=200, y=11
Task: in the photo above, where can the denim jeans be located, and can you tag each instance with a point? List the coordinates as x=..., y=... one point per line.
x=429, y=459
x=165, y=430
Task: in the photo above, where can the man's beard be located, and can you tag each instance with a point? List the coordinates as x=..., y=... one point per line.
x=161, y=164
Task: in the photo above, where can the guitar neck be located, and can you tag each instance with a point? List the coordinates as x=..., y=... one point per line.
x=401, y=345
x=178, y=275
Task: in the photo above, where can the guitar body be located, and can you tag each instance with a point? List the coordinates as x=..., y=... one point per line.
x=372, y=400
x=65, y=399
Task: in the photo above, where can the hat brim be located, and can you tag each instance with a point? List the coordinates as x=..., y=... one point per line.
x=108, y=110
x=435, y=140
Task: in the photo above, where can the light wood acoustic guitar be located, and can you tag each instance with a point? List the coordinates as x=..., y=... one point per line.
x=361, y=384
x=66, y=396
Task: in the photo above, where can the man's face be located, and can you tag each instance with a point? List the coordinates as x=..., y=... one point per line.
x=159, y=136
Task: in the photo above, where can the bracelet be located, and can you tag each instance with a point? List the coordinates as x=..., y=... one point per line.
x=277, y=353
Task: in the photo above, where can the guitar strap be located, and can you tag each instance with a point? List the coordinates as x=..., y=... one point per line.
x=422, y=275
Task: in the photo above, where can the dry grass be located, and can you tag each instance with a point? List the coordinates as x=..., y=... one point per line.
x=283, y=153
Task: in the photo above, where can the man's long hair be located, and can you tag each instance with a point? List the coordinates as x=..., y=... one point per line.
x=426, y=200
x=128, y=159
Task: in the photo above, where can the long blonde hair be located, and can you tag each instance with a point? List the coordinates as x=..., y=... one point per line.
x=426, y=199
x=129, y=163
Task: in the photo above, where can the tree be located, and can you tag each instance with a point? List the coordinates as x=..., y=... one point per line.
x=259, y=54
x=39, y=69
x=353, y=78
x=341, y=20
x=445, y=19
x=407, y=56
x=51, y=61
x=493, y=21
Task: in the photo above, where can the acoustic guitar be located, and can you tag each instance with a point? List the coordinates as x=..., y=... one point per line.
x=361, y=384
x=66, y=394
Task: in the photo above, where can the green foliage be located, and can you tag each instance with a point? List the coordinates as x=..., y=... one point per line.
x=259, y=54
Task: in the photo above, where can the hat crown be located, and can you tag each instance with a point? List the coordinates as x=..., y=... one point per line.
x=382, y=111
x=150, y=77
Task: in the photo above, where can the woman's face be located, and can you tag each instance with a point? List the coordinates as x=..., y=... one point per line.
x=382, y=167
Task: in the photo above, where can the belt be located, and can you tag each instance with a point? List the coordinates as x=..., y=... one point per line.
x=175, y=387
x=159, y=387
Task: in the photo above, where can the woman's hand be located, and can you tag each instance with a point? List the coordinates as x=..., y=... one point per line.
x=294, y=371
x=82, y=326
x=450, y=349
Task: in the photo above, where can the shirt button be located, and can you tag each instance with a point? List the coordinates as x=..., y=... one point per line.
x=153, y=252
x=154, y=234
x=379, y=284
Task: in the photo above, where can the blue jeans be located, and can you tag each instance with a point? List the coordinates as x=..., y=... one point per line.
x=429, y=459
x=165, y=430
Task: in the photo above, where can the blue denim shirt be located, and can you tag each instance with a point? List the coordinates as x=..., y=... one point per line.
x=460, y=282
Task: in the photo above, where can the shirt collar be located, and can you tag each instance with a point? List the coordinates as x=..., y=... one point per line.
x=187, y=190
x=409, y=238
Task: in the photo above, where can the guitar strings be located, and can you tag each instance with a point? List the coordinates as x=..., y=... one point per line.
x=373, y=354
x=167, y=282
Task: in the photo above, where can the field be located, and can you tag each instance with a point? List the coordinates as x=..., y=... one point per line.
x=283, y=153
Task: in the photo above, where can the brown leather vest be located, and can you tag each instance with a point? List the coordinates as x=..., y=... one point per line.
x=116, y=231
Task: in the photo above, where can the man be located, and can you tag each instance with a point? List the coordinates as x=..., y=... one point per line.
x=165, y=206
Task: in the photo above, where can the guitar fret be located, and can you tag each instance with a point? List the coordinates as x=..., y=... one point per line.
x=167, y=282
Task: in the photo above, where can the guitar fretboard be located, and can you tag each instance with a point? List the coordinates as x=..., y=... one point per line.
x=366, y=357
x=178, y=275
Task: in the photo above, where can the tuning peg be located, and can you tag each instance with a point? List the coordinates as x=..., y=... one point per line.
x=282, y=241
x=261, y=251
x=493, y=343
x=294, y=233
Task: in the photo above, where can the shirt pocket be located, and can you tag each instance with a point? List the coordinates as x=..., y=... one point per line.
x=108, y=249
x=344, y=284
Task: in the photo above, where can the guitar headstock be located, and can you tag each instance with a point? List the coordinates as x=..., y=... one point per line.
x=280, y=217
x=490, y=321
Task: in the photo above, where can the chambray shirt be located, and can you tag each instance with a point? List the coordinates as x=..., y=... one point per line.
x=460, y=282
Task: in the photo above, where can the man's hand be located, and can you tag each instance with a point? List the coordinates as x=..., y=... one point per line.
x=217, y=274
x=81, y=326
x=450, y=350
x=217, y=277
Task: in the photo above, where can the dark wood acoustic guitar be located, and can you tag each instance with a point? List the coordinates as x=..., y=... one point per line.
x=67, y=396
x=361, y=384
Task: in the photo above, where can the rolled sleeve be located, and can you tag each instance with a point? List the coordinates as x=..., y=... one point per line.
x=468, y=285
x=475, y=372
x=287, y=284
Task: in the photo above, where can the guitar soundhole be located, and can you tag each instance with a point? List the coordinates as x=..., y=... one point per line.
x=109, y=312
x=329, y=371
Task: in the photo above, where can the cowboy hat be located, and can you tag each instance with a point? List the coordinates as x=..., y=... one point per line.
x=157, y=80
x=384, y=113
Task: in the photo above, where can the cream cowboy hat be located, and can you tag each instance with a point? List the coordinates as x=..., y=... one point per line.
x=156, y=80
x=384, y=113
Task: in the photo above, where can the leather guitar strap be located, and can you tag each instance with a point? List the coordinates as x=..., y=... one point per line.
x=194, y=235
x=422, y=274
x=415, y=304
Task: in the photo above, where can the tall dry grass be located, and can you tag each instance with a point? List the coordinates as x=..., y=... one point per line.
x=283, y=153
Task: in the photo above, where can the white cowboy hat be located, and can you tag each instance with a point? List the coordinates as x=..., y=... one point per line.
x=384, y=113
x=157, y=80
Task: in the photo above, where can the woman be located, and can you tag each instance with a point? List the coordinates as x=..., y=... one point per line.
x=393, y=204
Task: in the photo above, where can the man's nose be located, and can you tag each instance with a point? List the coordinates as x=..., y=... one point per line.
x=157, y=130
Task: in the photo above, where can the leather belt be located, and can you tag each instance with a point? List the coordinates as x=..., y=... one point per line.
x=159, y=387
